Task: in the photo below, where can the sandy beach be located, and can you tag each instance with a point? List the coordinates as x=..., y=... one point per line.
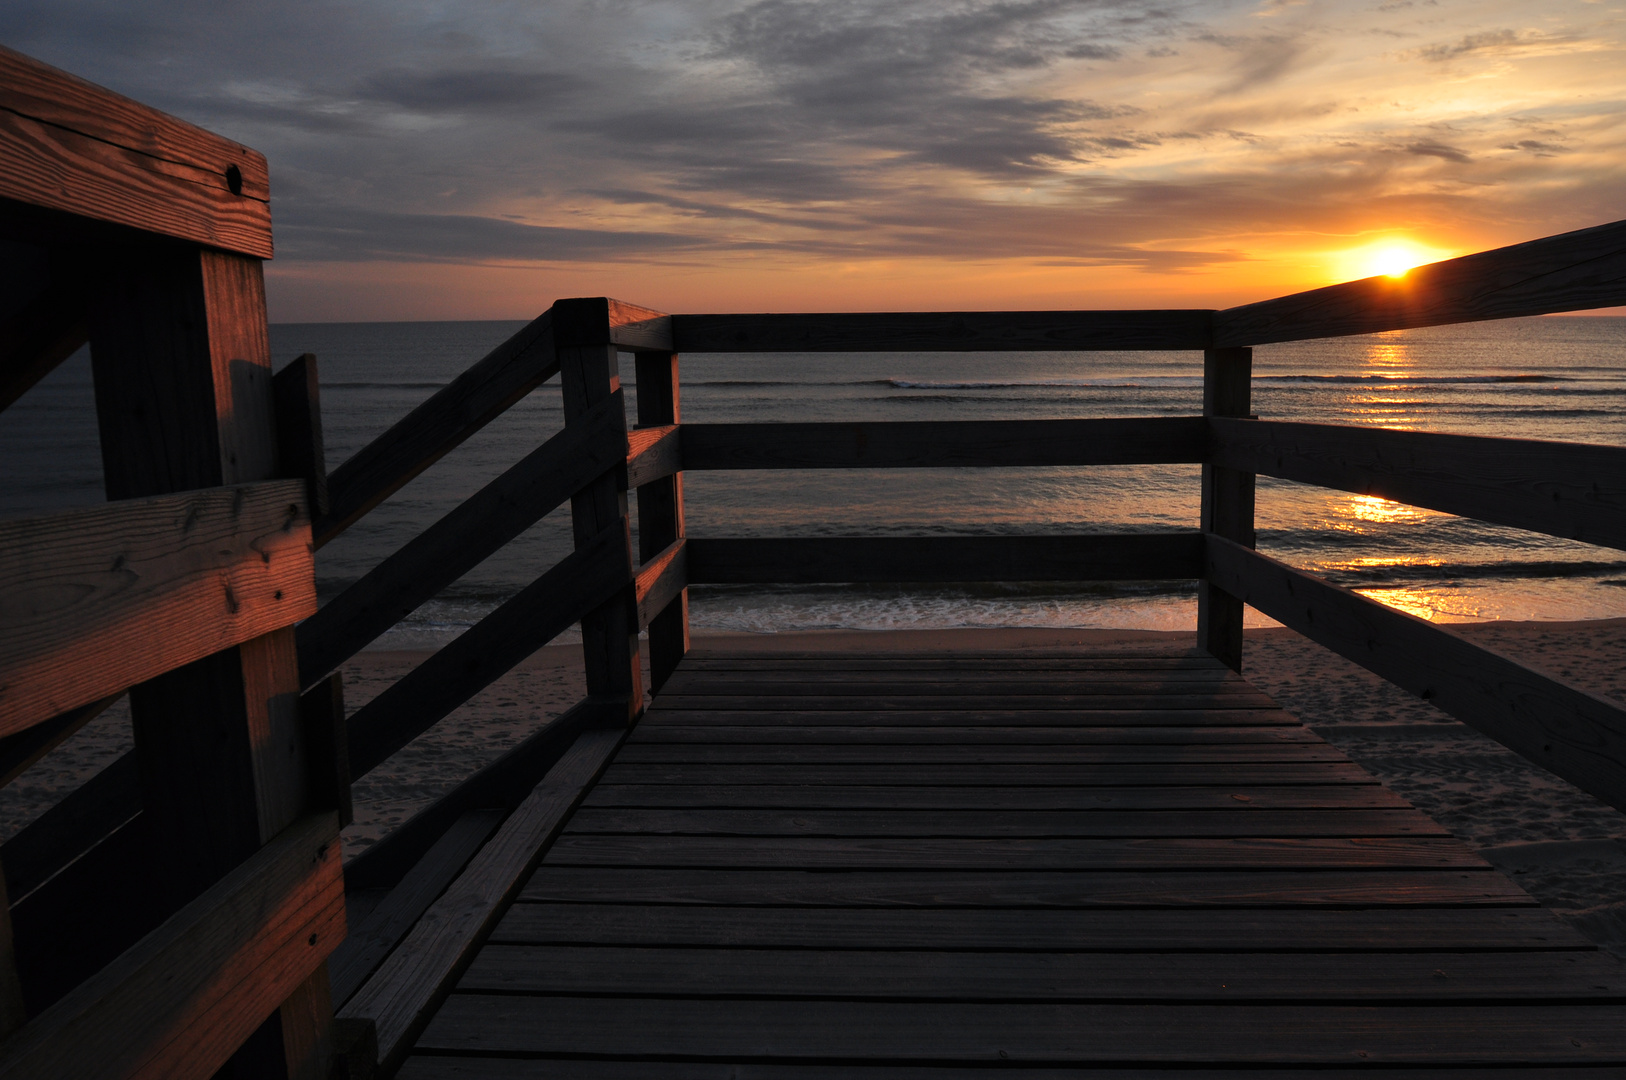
x=1561, y=845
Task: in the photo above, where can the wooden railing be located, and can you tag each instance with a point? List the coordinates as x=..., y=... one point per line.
x=178, y=907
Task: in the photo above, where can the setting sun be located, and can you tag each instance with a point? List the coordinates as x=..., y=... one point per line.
x=1385, y=258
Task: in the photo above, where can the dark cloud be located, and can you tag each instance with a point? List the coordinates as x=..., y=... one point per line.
x=1486, y=41
x=466, y=90
x=1537, y=147
x=1429, y=148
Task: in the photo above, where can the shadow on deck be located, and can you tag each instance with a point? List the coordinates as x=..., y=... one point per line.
x=821, y=865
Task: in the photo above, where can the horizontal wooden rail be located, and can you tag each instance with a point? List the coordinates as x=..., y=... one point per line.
x=1569, y=272
x=944, y=331
x=69, y=145
x=588, y=577
x=945, y=443
x=85, y=817
x=454, y=545
x=180, y=1002
x=22, y=749
x=1577, y=735
x=84, y=592
x=653, y=454
x=660, y=580
x=1573, y=490
x=600, y=320
x=438, y=426
x=907, y=559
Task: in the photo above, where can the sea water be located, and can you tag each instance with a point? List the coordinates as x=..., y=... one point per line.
x=1549, y=378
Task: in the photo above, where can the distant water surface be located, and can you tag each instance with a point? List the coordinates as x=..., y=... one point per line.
x=1549, y=378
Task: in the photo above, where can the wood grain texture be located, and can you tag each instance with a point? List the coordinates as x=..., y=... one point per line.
x=998, y=698
x=944, y=443
x=784, y=560
x=520, y=626
x=1030, y=713
x=1571, y=490
x=1227, y=502
x=956, y=976
x=66, y=144
x=661, y=517
x=400, y=995
x=898, y=797
x=181, y=1001
x=1568, y=272
x=1030, y=824
x=943, y=331
x=1135, y=931
x=653, y=453
x=660, y=581
x=1575, y=734
x=878, y=733
x=1048, y=775
x=371, y=940
x=458, y=1067
x=988, y=753
x=600, y=320
x=82, y=591
x=451, y=547
x=432, y=430
x=995, y=1033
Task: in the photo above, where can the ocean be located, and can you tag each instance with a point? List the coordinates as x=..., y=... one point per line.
x=1549, y=378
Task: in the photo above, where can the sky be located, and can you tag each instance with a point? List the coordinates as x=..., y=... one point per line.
x=476, y=159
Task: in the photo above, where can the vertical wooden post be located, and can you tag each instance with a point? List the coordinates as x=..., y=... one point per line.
x=589, y=373
x=1227, y=508
x=184, y=400
x=660, y=512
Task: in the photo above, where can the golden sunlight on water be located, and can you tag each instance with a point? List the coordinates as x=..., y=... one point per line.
x=1378, y=511
x=1388, y=356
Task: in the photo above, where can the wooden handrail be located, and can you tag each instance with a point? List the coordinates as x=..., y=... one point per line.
x=85, y=588
x=944, y=443
x=459, y=541
x=1572, y=490
x=468, y=403
x=943, y=331
x=584, y=579
x=1572, y=733
x=1572, y=271
x=914, y=559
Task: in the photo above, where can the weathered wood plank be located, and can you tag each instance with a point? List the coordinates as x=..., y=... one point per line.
x=601, y=320
x=1054, y=976
x=943, y=331
x=653, y=453
x=371, y=939
x=1421, y=930
x=1175, y=773
x=677, y=704
x=670, y=732
x=849, y=711
x=488, y=650
x=1026, y=685
x=901, y=674
x=1577, y=735
x=1020, y=854
x=945, y=443
x=902, y=664
x=182, y=1000
x=1568, y=272
x=459, y=541
x=661, y=520
x=400, y=996
x=770, y=560
x=438, y=426
x=983, y=754
x=1571, y=490
x=890, y=797
x=711, y=821
x=69, y=145
x=661, y=580
x=460, y=1067
x=82, y=590
x=993, y=1033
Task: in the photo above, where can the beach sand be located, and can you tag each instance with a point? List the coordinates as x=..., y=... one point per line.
x=1564, y=847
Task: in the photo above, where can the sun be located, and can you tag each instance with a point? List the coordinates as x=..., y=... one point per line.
x=1392, y=257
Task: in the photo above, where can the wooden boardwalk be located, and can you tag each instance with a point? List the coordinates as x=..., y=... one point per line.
x=1120, y=863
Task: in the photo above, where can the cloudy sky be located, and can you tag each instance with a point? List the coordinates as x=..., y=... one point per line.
x=476, y=159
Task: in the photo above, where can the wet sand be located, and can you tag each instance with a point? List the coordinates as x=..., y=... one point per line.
x=1567, y=849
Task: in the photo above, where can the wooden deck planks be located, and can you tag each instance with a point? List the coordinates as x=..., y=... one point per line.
x=916, y=866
